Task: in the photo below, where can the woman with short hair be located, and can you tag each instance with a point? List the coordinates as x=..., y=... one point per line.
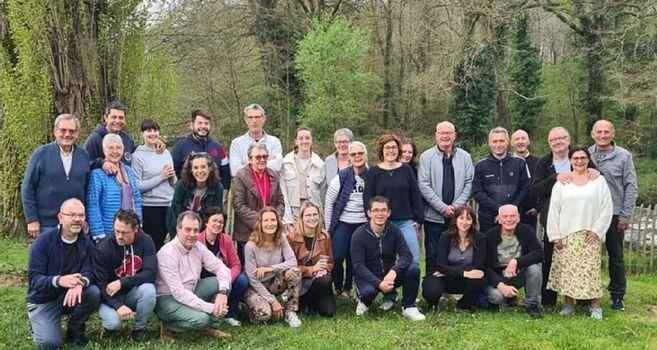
x=338, y=160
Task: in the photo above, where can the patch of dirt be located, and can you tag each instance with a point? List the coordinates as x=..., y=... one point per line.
x=12, y=281
x=652, y=308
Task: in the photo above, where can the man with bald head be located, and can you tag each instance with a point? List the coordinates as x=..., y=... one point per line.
x=616, y=165
x=520, y=146
x=513, y=261
x=61, y=280
x=445, y=179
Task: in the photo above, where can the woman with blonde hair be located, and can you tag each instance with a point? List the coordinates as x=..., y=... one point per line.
x=311, y=244
x=272, y=269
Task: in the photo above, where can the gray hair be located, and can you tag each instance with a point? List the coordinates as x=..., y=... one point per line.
x=498, y=130
x=190, y=215
x=256, y=145
x=65, y=117
x=68, y=202
x=343, y=132
x=256, y=107
x=558, y=128
x=357, y=143
x=112, y=138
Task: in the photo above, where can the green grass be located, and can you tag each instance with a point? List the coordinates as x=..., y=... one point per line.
x=636, y=328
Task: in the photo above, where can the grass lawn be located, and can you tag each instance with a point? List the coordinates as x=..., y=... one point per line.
x=636, y=328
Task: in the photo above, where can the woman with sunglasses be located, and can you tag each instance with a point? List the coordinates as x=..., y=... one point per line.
x=254, y=187
x=344, y=213
x=198, y=189
x=302, y=177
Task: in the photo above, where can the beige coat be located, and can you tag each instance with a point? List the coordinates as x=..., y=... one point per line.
x=315, y=183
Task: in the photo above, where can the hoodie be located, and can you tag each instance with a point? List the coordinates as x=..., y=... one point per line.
x=94, y=146
x=155, y=190
x=133, y=265
x=192, y=144
x=373, y=256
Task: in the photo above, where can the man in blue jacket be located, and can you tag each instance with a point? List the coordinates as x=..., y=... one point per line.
x=56, y=172
x=200, y=141
x=60, y=279
x=382, y=261
x=499, y=179
x=125, y=265
x=115, y=120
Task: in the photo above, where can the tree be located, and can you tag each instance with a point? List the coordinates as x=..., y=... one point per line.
x=525, y=75
x=330, y=61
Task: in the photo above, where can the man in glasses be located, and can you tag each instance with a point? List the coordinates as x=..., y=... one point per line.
x=57, y=171
x=61, y=280
x=255, y=118
x=200, y=141
x=445, y=179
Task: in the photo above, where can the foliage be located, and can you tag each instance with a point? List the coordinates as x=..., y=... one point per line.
x=337, y=84
x=525, y=77
x=473, y=98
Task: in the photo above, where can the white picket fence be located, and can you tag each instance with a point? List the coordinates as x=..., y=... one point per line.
x=640, y=246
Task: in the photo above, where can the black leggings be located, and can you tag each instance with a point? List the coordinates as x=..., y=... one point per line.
x=320, y=298
x=434, y=287
x=154, y=223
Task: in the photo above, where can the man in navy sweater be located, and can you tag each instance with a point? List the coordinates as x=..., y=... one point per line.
x=200, y=141
x=56, y=172
x=125, y=265
x=382, y=261
x=61, y=280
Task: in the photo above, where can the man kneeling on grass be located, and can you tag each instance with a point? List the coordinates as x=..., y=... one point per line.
x=125, y=265
x=185, y=302
x=375, y=248
x=513, y=261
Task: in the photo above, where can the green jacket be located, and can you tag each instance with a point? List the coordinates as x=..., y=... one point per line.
x=183, y=195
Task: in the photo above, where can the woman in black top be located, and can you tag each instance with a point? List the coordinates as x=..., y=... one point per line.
x=397, y=182
x=460, y=263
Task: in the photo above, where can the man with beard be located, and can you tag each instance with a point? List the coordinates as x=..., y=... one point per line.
x=200, y=141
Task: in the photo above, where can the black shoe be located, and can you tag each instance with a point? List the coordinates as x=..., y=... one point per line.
x=463, y=311
x=138, y=336
x=534, y=312
x=618, y=304
x=106, y=333
x=493, y=307
x=77, y=339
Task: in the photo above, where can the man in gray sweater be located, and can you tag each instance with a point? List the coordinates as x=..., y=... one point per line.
x=445, y=178
x=617, y=167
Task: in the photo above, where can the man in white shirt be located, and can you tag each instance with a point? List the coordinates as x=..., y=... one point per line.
x=255, y=118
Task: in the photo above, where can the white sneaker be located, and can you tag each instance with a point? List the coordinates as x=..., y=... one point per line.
x=413, y=314
x=233, y=322
x=596, y=313
x=361, y=308
x=387, y=305
x=292, y=319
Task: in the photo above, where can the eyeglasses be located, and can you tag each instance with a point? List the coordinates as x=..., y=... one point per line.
x=354, y=154
x=261, y=157
x=75, y=216
x=379, y=211
x=558, y=138
x=389, y=148
x=342, y=142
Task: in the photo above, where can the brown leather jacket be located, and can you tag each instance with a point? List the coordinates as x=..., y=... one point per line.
x=247, y=203
x=322, y=247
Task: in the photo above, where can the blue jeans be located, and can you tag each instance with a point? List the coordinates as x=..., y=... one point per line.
x=46, y=318
x=239, y=287
x=410, y=236
x=432, y=233
x=141, y=299
x=341, y=244
x=409, y=279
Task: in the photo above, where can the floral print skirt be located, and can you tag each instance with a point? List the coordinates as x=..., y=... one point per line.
x=575, y=270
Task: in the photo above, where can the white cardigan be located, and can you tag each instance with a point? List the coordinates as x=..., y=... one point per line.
x=574, y=208
x=315, y=182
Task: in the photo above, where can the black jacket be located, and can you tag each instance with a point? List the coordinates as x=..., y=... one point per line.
x=530, y=200
x=478, y=256
x=531, y=251
x=372, y=256
x=134, y=265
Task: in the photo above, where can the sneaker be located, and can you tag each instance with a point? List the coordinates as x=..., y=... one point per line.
x=567, y=310
x=618, y=304
x=215, y=333
x=292, y=319
x=166, y=334
x=138, y=336
x=387, y=305
x=361, y=308
x=77, y=339
x=534, y=312
x=413, y=314
x=106, y=333
x=233, y=321
x=596, y=313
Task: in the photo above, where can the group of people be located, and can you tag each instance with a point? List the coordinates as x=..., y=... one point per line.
x=310, y=229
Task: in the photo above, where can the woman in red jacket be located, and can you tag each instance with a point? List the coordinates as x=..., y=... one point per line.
x=221, y=245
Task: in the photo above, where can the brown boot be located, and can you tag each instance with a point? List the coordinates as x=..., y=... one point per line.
x=215, y=333
x=166, y=334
